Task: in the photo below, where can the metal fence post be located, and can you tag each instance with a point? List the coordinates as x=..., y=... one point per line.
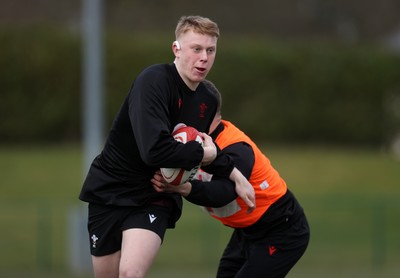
x=79, y=255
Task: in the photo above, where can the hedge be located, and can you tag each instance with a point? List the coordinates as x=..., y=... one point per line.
x=278, y=91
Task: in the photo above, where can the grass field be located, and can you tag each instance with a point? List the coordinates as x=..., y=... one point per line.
x=351, y=197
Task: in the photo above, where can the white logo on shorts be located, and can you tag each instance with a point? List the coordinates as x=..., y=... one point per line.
x=94, y=240
x=152, y=217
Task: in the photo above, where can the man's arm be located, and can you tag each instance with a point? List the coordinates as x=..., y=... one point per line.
x=220, y=190
x=231, y=163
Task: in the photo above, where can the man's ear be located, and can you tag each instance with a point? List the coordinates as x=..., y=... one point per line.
x=177, y=44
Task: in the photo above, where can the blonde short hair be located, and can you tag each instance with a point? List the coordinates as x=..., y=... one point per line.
x=198, y=24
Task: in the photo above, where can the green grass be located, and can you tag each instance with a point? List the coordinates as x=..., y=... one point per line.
x=350, y=197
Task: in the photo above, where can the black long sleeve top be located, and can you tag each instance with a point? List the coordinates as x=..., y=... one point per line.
x=140, y=141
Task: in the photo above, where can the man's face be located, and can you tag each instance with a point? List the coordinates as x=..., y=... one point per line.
x=195, y=57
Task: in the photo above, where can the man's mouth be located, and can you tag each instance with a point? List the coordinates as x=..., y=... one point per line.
x=202, y=70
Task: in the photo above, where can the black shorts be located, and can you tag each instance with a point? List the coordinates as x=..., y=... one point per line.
x=268, y=251
x=106, y=224
x=269, y=257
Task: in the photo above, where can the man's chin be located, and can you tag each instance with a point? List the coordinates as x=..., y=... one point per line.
x=199, y=77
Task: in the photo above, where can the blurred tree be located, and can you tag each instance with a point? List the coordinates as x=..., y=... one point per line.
x=350, y=20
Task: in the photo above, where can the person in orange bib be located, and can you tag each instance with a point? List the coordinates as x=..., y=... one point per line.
x=269, y=240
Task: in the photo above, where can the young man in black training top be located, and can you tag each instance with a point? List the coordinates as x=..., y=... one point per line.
x=127, y=217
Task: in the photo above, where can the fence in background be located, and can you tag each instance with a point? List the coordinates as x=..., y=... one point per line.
x=36, y=236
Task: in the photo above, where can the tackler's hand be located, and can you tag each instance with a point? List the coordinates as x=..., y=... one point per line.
x=158, y=182
x=160, y=185
x=210, y=150
x=244, y=189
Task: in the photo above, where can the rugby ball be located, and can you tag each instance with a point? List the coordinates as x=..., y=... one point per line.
x=177, y=176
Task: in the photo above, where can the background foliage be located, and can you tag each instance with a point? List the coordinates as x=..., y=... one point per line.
x=275, y=90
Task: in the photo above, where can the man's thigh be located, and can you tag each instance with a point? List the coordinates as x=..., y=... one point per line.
x=106, y=266
x=139, y=248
